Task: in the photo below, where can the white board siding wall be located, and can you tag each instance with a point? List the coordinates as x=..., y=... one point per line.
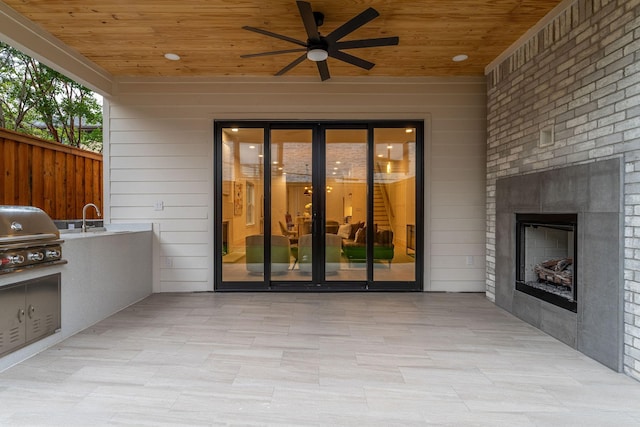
x=160, y=148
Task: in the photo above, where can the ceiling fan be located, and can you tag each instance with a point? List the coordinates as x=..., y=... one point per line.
x=318, y=48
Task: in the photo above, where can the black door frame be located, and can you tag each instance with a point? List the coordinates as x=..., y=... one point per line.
x=317, y=282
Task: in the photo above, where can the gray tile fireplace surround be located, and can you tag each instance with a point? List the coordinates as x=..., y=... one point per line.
x=594, y=192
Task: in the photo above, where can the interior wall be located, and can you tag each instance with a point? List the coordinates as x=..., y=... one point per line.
x=160, y=148
x=334, y=204
x=278, y=209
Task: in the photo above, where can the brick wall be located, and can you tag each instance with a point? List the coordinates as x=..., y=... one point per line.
x=569, y=95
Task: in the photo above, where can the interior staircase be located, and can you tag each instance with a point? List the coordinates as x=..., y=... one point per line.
x=381, y=209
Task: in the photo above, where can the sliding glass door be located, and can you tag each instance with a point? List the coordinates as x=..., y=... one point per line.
x=394, y=203
x=346, y=207
x=318, y=206
x=291, y=201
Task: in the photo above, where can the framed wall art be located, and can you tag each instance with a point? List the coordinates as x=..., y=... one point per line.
x=238, y=198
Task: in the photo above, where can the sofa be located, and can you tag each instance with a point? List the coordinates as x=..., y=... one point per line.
x=354, y=244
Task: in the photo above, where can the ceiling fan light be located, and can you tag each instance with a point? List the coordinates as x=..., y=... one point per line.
x=317, y=55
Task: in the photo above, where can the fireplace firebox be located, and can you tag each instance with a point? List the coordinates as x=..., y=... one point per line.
x=546, y=256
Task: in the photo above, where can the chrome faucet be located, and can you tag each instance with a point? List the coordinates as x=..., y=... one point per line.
x=84, y=215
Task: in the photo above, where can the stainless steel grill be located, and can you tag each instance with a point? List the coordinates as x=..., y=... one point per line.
x=28, y=239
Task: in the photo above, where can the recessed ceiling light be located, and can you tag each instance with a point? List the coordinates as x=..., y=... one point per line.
x=172, y=56
x=389, y=147
x=234, y=129
x=252, y=147
x=408, y=130
x=460, y=58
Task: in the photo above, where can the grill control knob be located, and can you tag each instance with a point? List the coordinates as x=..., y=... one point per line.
x=52, y=253
x=16, y=259
x=35, y=256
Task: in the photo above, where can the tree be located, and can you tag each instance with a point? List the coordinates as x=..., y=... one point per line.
x=40, y=101
x=16, y=96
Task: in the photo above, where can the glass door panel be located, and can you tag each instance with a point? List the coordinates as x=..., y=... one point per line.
x=394, y=204
x=291, y=204
x=345, y=204
x=241, y=201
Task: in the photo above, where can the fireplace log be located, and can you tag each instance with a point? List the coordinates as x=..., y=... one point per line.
x=558, y=271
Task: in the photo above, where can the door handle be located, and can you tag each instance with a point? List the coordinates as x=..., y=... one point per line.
x=31, y=311
x=20, y=315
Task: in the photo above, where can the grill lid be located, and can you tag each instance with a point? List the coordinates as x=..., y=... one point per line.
x=25, y=223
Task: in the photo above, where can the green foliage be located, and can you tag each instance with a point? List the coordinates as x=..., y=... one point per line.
x=39, y=101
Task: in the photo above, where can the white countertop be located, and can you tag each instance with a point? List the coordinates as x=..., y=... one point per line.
x=107, y=230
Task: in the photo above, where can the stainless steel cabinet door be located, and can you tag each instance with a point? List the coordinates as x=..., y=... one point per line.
x=42, y=307
x=12, y=318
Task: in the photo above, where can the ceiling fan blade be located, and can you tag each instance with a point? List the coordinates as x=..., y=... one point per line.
x=357, y=44
x=323, y=69
x=275, y=52
x=295, y=62
x=353, y=24
x=308, y=20
x=350, y=59
x=277, y=36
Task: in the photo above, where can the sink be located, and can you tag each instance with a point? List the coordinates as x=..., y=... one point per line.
x=94, y=229
x=77, y=223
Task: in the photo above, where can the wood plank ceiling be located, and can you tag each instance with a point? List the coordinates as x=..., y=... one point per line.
x=130, y=37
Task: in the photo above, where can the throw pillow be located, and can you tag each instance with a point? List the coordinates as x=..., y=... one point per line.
x=361, y=235
x=354, y=227
x=344, y=231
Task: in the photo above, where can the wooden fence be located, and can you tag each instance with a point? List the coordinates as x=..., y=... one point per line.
x=54, y=177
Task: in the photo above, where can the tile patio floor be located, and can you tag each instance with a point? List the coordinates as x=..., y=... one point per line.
x=377, y=359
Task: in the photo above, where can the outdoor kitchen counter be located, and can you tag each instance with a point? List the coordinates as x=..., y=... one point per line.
x=106, y=272
x=107, y=230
